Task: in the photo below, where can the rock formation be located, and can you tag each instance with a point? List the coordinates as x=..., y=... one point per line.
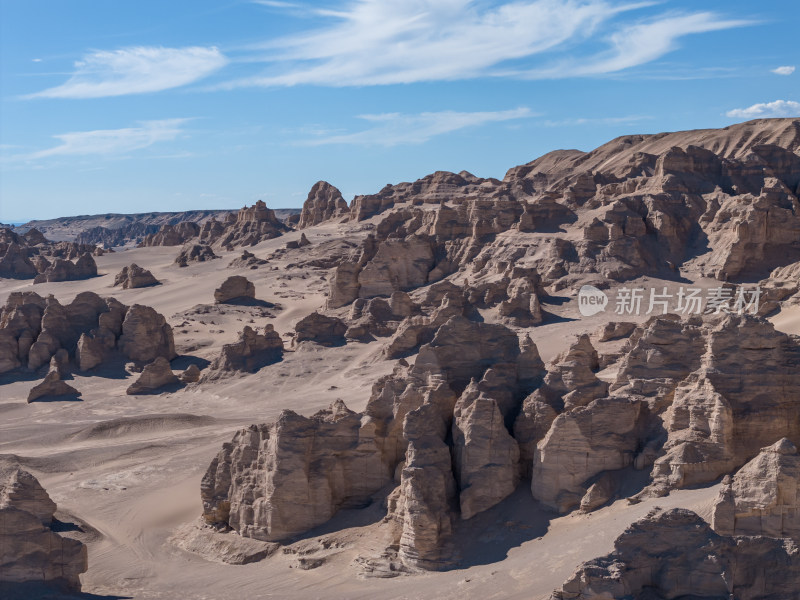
x=194, y=252
x=134, y=276
x=66, y=270
x=763, y=497
x=324, y=202
x=53, y=385
x=31, y=552
x=337, y=458
x=319, y=328
x=235, y=288
x=675, y=554
x=90, y=329
x=155, y=376
x=252, y=352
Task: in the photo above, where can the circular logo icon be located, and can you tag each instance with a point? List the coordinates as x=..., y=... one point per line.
x=591, y=300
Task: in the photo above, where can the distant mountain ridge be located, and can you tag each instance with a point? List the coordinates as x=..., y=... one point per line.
x=117, y=229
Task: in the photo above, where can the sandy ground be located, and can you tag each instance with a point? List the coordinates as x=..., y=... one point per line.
x=127, y=469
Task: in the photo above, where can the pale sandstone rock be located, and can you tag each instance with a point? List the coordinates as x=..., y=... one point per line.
x=252, y=352
x=324, y=202
x=763, y=497
x=52, y=385
x=155, y=375
x=322, y=329
x=194, y=252
x=146, y=335
x=675, y=554
x=191, y=374
x=30, y=551
x=234, y=288
x=134, y=276
x=65, y=270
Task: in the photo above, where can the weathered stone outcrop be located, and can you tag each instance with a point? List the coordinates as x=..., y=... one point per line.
x=172, y=235
x=324, y=202
x=90, y=329
x=65, y=270
x=53, y=384
x=30, y=551
x=194, y=252
x=763, y=497
x=675, y=554
x=155, y=376
x=404, y=430
x=322, y=329
x=252, y=352
x=134, y=276
x=235, y=288
x=146, y=335
x=15, y=264
x=727, y=410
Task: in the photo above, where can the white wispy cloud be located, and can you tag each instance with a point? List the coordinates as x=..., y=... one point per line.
x=110, y=142
x=392, y=129
x=377, y=42
x=573, y=122
x=639, y=44
x=136, y=71
x=778, y=108
x=785, y=70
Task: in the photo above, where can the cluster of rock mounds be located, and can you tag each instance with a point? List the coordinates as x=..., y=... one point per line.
x=31, y=256
x=720, y=203
x=251, y=352
x=31, y=552
x=477, y=413
x=478, y=372
x=91, y=330
x=248, y=227
x=749, y=551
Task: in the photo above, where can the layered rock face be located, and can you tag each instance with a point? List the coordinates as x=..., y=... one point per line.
x=134, y=276
x=405, y=426
x=324, y=202
x=763, y=497
x=235, y=288
x=30, y=551
x=90, y=329
x=675, y=554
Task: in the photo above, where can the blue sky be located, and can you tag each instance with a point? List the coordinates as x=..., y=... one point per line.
x=134, y=106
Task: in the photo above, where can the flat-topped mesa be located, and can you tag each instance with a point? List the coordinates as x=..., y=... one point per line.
x=31, y=552
x=338, y=458
x=324, y=203
x=675, y=554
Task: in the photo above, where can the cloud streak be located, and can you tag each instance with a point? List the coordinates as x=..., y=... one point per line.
x=778, y=108
x=393, y=129
x=786, y=70
x=136, y=70
x=381, y=42
x=111, y=142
